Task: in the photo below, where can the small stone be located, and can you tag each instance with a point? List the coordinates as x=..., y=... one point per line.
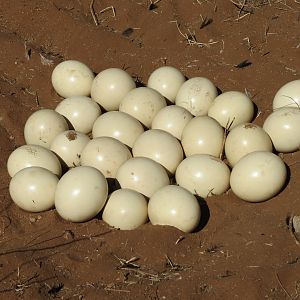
x=68, y=235
x=32, y=219
x=296, y=224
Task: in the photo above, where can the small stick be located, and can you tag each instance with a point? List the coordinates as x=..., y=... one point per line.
x=210, y=192
x=93, y=13
x=179, y=240
x=169, y=261
x=127, y=263
x=226, y=131
x=37, y=99
x=155, y=2
x=242, y=17
x=190, y=37
x=242, y=7
x=109, y=8
x=249, y=45
x=280, y=283
x=116, y=290
x=153, y=5
x=34, y=94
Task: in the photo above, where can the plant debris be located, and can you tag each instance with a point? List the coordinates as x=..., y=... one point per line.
x=243, y=64
x=127, y=32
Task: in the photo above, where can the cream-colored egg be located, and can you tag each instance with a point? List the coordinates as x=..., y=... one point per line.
x=43, y=126
x=244, y=139
x=160, y=146
x=203, y=135
x=203, y=175
x=143, y=104
x=68, y=145
x=143, y=175
x=196, y=95
x=80, y=111
x=172, y=119
x=174, y=206
x=72, y=78
x=166, y=80
x=283, y=127
x=125, y=209
x=231, y=109
x=33, y=156
x=81, y=194
x=110, y=87
x=118, y=125
x=258, y=176
x=105, y=154
x=33, y=189
x=288, y=95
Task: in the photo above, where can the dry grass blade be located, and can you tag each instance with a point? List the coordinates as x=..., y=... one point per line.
x=127, y=263
x=101, y=11
x=190, y=37
x=93, y=13
x=226, y=131
x=153, y=276
x=284, y=289
x=181, y=238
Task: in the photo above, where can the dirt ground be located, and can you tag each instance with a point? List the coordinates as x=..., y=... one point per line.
x=242, y=250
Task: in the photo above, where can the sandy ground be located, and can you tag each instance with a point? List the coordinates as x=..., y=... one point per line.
x=242, y=250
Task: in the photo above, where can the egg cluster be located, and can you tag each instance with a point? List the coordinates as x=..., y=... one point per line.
x=143, y=140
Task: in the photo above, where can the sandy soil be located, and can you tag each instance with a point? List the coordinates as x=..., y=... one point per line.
x=242, y=250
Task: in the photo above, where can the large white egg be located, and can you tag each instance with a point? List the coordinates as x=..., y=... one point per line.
x=80, y=111
x=33, y=189
x=68, y=145
x=105, y=154
x=110, y=87
x=196, y=95
x=143, y=175
x=166, y=80
x=143, y=104
x=33, y=156
x=288, y=95
x=174, y=206
x=203, y=135
x=43, y=126
x=244, y=139
x=160, y=146
x=81, y=194
x=203, y=175
x=283, y=126
x=231, y=109
x=72, y=78
x=258, y=176
x=172, y=119
x=118, y=125
x=125, y=209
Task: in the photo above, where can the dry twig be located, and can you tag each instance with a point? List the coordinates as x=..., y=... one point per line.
x=284, y=289
x=191, y=38
x=101, y=11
